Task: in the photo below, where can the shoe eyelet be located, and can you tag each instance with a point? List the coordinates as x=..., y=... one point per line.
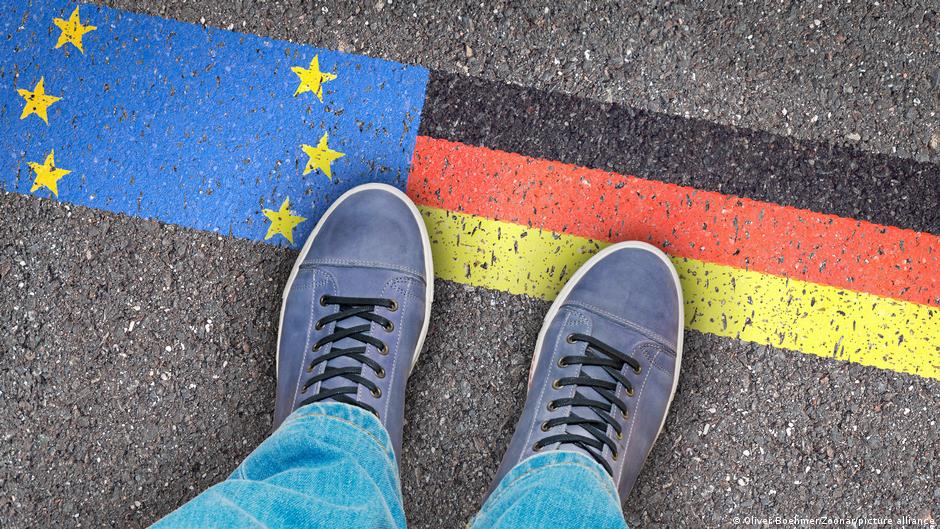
x=570, y=338
x=630, y=392
x=380, y=373
x=318, y=326
x=626, y=415
x=638, y=370
x=551, y=406
x=619, y=436
x=323, y=300
x=394, y=306
x=557, y=384
x=384, y=349
x=376, y=392
x=613, y=456
x=390, y=327
x=562, y=363
x=536, y=447
x=310, y=368
x=316, y=347
x=545, y=426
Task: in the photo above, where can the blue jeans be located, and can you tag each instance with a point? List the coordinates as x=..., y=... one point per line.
x=331, y=465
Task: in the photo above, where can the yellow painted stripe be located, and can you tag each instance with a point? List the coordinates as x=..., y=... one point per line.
x=720, y=300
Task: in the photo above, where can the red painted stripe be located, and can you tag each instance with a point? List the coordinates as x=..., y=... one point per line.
x=686, y=222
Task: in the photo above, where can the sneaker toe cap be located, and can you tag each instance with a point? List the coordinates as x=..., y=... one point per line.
x=371, y=227
x=635, y=284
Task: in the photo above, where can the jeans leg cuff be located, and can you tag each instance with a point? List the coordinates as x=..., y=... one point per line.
x=351, y=415
x=555, y=461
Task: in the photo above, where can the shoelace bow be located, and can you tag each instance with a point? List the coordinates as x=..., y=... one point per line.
x=350, y=307
x=601, y=355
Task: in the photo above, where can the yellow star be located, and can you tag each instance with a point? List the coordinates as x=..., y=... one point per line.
x=282, y=221
x=72, y=31
x=37, y=102
x=312, y=79
x=47, y=174
x=321, y=157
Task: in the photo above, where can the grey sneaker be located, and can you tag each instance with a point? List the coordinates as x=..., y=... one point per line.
x=606, y=364
x=356, y=308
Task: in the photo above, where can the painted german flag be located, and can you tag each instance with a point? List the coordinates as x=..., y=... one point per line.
x=516, y=197
x=777, y=241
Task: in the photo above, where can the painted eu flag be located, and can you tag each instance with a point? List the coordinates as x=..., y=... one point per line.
x=205, y=128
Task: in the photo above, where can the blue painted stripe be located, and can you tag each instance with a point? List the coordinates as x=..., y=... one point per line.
x=194, y=126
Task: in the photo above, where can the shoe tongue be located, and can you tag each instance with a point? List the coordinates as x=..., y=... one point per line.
x=597, y=373
x=356, y=283
x=346, y=361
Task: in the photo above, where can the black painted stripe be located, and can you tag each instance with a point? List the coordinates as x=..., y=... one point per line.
x=817, y=176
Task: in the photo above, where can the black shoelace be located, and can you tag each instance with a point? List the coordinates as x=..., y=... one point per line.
x=350, y=307
x=612, y=361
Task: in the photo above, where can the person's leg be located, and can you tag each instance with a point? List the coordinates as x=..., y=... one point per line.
x=558, y=489
x=603, y=376
x=353, y=320
x=328, y=465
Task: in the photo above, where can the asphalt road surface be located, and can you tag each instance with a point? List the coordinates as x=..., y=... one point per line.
x=137, y=358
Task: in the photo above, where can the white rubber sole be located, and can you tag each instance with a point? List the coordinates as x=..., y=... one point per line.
x=428, y=262
x=563, y=295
